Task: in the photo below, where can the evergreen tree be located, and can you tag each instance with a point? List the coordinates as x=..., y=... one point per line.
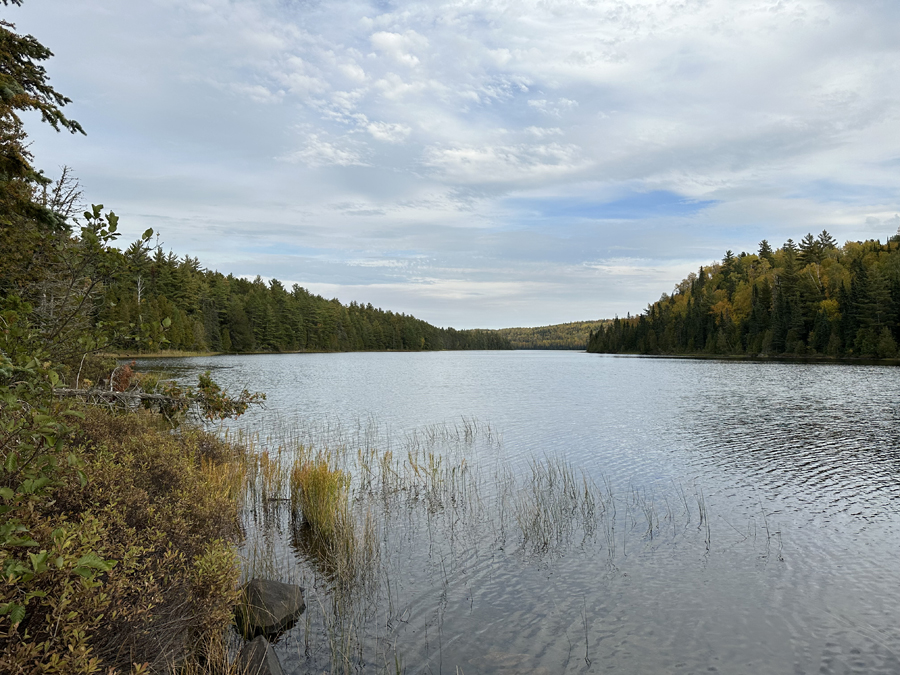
x=30, y=230
x=816, y=298
x=239, y=331
x=729, y=273
x=826, y=241
x=810, y=250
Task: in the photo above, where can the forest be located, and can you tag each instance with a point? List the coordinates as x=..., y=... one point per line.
x=572, y=335
x=814, y=298
x=174, y=303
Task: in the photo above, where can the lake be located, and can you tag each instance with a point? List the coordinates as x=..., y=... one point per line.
x=734, y=517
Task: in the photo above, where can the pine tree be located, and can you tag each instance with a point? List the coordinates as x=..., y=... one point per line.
x=729, y=273
x=826, y=241
x=239, y=331
x=28, y=227
x=810, y=250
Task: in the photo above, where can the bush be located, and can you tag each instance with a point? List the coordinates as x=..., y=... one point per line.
x=135, y=565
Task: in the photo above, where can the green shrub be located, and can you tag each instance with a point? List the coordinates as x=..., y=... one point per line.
x=135, y=565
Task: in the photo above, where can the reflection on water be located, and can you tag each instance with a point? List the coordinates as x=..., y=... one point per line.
x=745, y=515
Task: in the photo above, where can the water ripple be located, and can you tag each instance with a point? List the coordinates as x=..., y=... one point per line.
x=792, y=570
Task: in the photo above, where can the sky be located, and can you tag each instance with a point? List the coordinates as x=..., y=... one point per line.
x=478, y=163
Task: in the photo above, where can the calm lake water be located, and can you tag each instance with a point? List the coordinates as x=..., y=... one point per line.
x=751, y=522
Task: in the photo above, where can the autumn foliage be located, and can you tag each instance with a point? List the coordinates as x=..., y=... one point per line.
x=813, y=299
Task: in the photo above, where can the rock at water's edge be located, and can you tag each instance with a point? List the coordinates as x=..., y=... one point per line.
x=258, y=657
x=268, y=608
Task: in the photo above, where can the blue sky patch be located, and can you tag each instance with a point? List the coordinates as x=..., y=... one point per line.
x=638, y=205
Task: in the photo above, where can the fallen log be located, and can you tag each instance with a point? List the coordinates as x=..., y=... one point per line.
x=123, y=396
x=131, y=400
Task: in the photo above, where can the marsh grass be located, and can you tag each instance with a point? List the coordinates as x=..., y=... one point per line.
x=553, y=503
x=229, y=479
x=319, y=495
x=268, y=477
x=347, y=510
x=325, y=528
x=327, y=498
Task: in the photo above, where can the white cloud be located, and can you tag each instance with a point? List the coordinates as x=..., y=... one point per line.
x=392, y=264
x=391, y=133
x=553, y=108
x=353, y=71
x=319, y=153
x=430, y=117
x=257, y=92
x=543, y=132
x=491, y=164
x=394, y=88
x=399, y=47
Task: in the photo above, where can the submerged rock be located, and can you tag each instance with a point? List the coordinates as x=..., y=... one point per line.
x=258, y=657
x=268, y=608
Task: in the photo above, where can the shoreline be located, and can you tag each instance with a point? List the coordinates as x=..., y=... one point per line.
x=764, y=358
x=779, y=358
x=178, y=354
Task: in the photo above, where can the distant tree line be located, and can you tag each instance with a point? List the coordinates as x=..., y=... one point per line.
x=573, y=335
x=815, y=298
x=173, y=302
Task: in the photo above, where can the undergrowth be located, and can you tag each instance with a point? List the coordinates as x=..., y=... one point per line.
x=133, y=566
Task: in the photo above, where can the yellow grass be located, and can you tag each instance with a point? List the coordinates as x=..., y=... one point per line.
x=319, y=493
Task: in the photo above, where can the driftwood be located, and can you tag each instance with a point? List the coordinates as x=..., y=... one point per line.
x=126, y=399
x=119, y=396
x=217, y=405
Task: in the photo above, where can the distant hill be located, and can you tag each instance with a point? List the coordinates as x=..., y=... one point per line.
x=572, y=335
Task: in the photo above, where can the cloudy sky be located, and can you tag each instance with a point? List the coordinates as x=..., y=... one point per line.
x=478, y=162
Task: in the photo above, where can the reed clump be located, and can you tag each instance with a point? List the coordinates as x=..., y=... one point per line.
x=270, y=476
x=344, y=544
x=319, y=494
x=553, y=503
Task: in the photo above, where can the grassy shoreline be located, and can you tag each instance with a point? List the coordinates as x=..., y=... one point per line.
x=175, y=354
x=162, y=354
x=143, y=528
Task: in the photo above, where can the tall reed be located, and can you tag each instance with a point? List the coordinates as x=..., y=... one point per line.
x=319, y=494
x=553, y=503
x=360, y=502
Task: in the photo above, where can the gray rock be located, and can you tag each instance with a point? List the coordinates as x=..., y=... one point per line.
x=258, y=657
x=268, y=608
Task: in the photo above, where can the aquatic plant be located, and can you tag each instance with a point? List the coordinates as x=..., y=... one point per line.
x=553, y=503
x=362, y=502
x=319, y=496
